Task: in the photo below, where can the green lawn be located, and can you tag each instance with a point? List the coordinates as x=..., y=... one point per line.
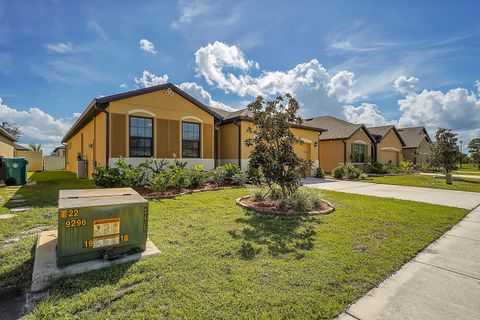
x=218, y=261
x=470, y=169
x=427, y=181
x=16, y=257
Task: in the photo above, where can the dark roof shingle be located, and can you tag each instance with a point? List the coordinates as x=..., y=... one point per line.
x=413, y=136
x=336, y=128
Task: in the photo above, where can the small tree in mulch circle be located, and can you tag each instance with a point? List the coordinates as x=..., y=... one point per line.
x=273, y=143
x=445, y=152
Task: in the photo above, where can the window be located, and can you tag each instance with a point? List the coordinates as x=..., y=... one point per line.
x=141, y=137
x=358, y=153
x=190, y=140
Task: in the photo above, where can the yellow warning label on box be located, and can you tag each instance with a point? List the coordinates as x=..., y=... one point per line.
x=106, y=241
x=106, y=227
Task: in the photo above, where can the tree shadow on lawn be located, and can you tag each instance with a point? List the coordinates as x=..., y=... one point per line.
x=281, y=235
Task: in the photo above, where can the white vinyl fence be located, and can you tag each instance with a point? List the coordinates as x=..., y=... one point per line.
x=53, y=163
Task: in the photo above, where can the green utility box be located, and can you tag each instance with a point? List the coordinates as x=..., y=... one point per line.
x=16, y=171
x=100, y=224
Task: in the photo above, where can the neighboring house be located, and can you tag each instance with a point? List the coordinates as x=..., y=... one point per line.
x=417, y=144
x=343, y=142
x=389, y=144
x=233, y=132
x=19, y=147
x=59, y=152
x=7, y=143
x=163, y=122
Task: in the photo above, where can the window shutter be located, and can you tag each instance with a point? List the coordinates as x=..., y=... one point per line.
x=118, y=136
x=352, y=153
x=162, y=138
x=168, y=138
x=365, y=153
x=207, y=141
x=174, y=138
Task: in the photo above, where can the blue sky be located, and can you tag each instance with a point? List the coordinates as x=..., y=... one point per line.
x=404, y=62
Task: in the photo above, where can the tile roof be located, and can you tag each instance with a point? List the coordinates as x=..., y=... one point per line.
x=413, y=136
x=336, y=128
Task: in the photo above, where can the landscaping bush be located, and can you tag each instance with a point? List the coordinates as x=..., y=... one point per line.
x=375, y=168
x=320, y=173
x=275, y=192
x=239, y=179
x=347, y=171
x=196, y=176
x=258, y=194
x=158, y=182
x=107, y=177
x=230, y=170
x=217, y=176
x=254, y=175
x=120, y=175
x=305, y=200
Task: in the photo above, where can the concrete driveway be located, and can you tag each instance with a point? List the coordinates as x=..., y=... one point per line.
x=459, y=199
x=441, y=283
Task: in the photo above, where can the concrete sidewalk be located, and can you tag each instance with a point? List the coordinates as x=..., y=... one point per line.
x=442, y=282
x=466, y=176
x=459, y=199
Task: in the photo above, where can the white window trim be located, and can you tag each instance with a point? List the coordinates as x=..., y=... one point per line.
x=360, y=142
x=141, y=111
x=389, y=149
x=186, y=118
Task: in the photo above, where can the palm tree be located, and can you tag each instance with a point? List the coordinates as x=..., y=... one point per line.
x=35, y=147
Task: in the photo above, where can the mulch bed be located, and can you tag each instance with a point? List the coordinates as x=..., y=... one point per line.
x=172, y=192
x=268, y=206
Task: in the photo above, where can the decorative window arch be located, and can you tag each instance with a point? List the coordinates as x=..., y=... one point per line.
x=360, y=142
x=192, y=118
x=141, y=111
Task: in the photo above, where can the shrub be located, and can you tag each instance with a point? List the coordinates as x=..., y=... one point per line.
x=275, y=192
x=406, y=166
x=255, y=176
x=196, y=176
x=177, y=177
x=230, y=170
x=239, y=179
x=107, y=177
x=305, y=200
x=375, y=167
x=132, y=176
x=283, y=204
x=258, y=194
x=217, y=176
x=120, y=175
x=320, y=173
x=347, y=171
x=158, y=182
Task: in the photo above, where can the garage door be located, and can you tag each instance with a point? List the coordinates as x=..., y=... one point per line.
x=303, y=151
x=391, y=156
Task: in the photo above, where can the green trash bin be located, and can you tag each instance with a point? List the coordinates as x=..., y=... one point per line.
x=16, y=171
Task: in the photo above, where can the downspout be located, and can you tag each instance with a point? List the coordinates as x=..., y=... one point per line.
x=344, y=151
x=107, y=142
x=239, y=143
x=65, y=160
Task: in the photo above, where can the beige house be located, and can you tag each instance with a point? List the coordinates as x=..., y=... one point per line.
x=7, y=143
x=164, y=122
x=389, y=144
x=342, y=142
x=417, y=144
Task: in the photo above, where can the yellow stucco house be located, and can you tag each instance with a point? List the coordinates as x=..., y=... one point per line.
x=7, y=143
x=342, y=142
x=388, y=144
x=162, y=122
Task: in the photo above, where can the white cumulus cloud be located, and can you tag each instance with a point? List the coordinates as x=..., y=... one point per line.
x=147, y=46
x=149, y=79
x=202, y=95
x=38, y=126
x=366, y=113
x=341, y=86
x=457, y=109
x=406, y=85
